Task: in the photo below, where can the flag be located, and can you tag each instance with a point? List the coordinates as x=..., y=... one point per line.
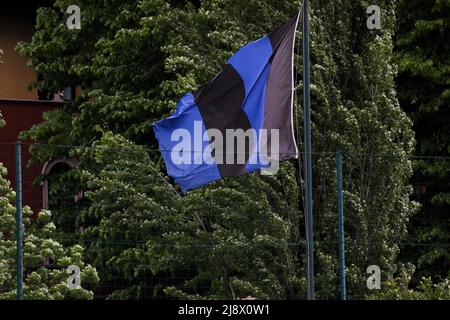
x=239, y=122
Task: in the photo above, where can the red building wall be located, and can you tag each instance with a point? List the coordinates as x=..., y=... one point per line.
x=19, y=105
x=21, y=115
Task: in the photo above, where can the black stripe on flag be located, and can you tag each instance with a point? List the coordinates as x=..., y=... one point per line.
x=221, y=106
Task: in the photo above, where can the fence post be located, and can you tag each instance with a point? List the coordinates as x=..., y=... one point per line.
x=19, y=221
x=340, y=206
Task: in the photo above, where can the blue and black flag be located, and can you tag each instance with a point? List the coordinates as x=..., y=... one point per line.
x=252, y=95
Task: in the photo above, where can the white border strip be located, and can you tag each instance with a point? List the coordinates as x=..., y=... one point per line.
x=293, y=85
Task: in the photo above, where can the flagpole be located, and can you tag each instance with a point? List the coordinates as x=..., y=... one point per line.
x=308, y=158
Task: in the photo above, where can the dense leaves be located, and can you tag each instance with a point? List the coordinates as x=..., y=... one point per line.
x=424, y=91
x=399, y=288
x=214, y=243
x=45, y=259
x=133, y=60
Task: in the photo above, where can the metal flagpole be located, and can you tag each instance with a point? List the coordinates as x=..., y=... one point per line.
x=308, y=158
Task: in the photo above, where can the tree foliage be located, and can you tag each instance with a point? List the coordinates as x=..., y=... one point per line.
x=45, y=259
x=134, y=60
x=423, y=86
x=401, y=287
x=221, y=242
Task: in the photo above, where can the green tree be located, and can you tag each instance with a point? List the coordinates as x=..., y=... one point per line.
x=220, y=242
x=136, y=60
x=423, y=50
x=116, y=62
x=45, y=259
x=399, y=288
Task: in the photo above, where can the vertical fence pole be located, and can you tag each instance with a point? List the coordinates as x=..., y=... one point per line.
x=19, y=221
x=340, y=205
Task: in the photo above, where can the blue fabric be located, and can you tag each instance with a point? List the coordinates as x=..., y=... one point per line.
x=252, y=64
x=251, y=61
x=254, y=108
x=193, y=175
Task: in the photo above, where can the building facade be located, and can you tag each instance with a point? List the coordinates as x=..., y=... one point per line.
x=20, y=106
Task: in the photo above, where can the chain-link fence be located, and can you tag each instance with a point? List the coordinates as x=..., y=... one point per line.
x=120, y=229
